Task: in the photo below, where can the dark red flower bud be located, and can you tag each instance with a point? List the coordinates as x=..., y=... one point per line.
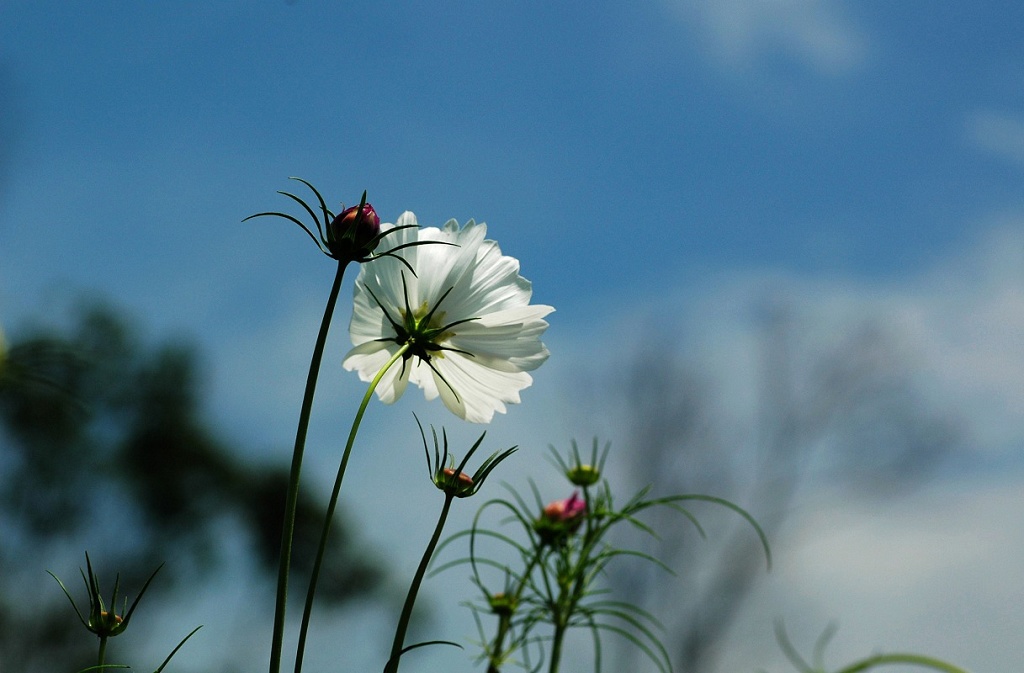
x=353, y=233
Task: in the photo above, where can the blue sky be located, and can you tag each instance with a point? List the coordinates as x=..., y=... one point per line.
x=641, y=146
x=665, y=160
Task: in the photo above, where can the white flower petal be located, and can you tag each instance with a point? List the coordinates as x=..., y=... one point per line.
x=369, y=358
x=474, y=391
x=508, y=340
x=394, y=382
x=462, y=283
x=423, y=376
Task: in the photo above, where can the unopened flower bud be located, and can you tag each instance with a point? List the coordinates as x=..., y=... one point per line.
x=460, y=485
x=583, y=475
x=112, y=619
x=502, y=604
x=352, y=234
x=567, y=510
x=104, y=623
x=560, y=519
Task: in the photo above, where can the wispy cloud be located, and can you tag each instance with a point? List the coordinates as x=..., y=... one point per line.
x=997, y=133
x=936, y=572
x=956, y=326
x=739, y=33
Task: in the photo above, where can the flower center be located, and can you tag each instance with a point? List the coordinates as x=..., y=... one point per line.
x=424, y=330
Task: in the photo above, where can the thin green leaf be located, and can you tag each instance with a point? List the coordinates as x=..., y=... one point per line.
x=900, y=658
x=818, y=654
x=663, y=666
x=786, y=645
x=290, y=218
x=175, y=650
x=431, y=642
x=739, y=510
x=328, y=215
x=308, y=210
x=145, y=586
x=68, y=594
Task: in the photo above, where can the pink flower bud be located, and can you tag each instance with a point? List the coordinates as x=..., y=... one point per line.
x=560, y=519
x=566, y=510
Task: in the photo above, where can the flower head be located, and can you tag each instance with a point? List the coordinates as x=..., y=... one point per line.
x=583, y=475
x=351, y=236
x=464, y=318
x=578, y=472
x=502, y=603
x=354, y=233
x=450, y=478
x=104, y=622
x=569, y=510
x=560, y=518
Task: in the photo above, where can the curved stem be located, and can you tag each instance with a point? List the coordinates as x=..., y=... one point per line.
x=414, y=587
x=332, y=505
x=920, y=660
x=291, y=502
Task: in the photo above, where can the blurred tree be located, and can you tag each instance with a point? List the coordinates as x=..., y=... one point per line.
x=103, y=447
x=847, y=411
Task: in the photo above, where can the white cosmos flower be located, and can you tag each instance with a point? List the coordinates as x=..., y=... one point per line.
x=465, y=314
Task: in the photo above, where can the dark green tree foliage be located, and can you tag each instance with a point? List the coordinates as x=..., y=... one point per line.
x=104, y=447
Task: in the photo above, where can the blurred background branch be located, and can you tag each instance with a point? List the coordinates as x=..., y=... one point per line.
x=843, y=411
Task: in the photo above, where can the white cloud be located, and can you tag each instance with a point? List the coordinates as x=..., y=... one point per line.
x=967, y=320
x=740, y=32
x=935, y=573
x=956, y=326
x=997, y=133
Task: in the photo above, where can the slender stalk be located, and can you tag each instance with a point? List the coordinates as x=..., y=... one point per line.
x=568, y=599
x=102, y=656
x=291, y=502
x=556, y=647
x=571, y=587
x=414, y=587
x=332, y=505
x=505, y=621
x=494, y=658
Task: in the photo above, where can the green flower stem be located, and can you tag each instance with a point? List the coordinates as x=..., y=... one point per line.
x=102, y=656
x=505, y=621
x=494, y=658
x=414, y=587
x=291, y=503
x=562, y=608
x=569, y=597
x=556, y=646
x=573, y=585
x=332, y=505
